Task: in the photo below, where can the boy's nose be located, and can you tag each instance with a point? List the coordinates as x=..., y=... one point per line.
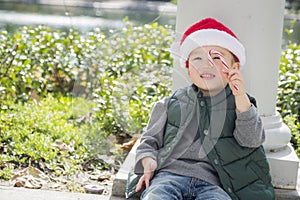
x=210, y=60
x=208, y=63
x=204, y=65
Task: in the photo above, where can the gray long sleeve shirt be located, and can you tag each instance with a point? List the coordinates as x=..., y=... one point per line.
x=193, y=162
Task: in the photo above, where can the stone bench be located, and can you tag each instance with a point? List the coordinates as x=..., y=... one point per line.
x=119, y=184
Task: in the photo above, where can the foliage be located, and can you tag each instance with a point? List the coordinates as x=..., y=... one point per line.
x=42, y=135
x=143, y=67
x=36, y=61
x=294, y=125
x=65, y=88
x=289, y=81
x=174, y=1
x=289, y=93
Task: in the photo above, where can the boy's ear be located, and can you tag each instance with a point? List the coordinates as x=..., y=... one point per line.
x=189, y=73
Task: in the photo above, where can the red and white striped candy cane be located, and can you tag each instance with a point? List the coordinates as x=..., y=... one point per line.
x=210, y=52
x=224, y=63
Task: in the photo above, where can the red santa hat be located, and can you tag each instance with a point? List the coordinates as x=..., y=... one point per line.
x=208, y=32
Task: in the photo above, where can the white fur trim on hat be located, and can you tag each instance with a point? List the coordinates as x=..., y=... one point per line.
x=207, y=37
x=212, y=37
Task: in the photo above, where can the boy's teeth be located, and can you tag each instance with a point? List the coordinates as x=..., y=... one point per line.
x=207, y=75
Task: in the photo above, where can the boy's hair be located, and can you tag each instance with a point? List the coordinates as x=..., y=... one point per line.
x=208, y=32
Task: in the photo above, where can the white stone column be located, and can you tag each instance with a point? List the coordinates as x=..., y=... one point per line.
x=259, y=26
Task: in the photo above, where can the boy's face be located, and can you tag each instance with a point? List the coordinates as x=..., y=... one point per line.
x=210, y=79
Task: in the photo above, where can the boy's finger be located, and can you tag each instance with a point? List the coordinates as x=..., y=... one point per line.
x=140, y=184
x=236, y=78
x=138, y=188
x=232, y=74
x=147, y=183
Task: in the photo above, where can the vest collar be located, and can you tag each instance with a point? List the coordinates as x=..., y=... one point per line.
x=214, y=100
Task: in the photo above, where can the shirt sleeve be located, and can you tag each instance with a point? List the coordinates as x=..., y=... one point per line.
x=249, y=131
x=152, y=139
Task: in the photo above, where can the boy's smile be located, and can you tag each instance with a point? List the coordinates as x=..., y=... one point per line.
x=207, y=76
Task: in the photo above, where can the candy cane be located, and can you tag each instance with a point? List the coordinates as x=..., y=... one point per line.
x=225, y=65
x=210, y=60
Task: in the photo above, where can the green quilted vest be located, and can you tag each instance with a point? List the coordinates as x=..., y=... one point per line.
x=243, y=172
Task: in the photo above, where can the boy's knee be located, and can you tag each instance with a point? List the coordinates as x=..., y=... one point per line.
x=151, y=196
x=158, y=192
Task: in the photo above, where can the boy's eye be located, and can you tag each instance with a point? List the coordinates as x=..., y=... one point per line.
x=216, y=58
x=197, y=58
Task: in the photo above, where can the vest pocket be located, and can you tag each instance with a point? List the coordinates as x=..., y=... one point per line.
x=256, y=190
x=265, y=177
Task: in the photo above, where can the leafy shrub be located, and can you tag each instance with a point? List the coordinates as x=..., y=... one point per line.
x=72, y=89
x=144, y=69
x=45, y=136
x=36, y=61
x=294, y=125
x=289, y=93
x=289, y=81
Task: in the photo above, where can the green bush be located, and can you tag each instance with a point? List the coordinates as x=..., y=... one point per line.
x=294, y=125
x=66, y=88
x=289, y=81
x=30, y=134
x=289, y=93
x=37, y=61
x=138, y=73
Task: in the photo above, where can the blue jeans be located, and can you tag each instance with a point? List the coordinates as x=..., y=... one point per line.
x=168, y=186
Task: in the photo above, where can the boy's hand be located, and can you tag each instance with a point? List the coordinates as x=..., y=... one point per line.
x=150, y=166
x=235, y=79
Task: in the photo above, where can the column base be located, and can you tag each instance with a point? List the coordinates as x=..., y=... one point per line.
x=278, y=134
x=283, y=160
x=284, y=165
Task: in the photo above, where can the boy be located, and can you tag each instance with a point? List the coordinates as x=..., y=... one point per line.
x=205, y=141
